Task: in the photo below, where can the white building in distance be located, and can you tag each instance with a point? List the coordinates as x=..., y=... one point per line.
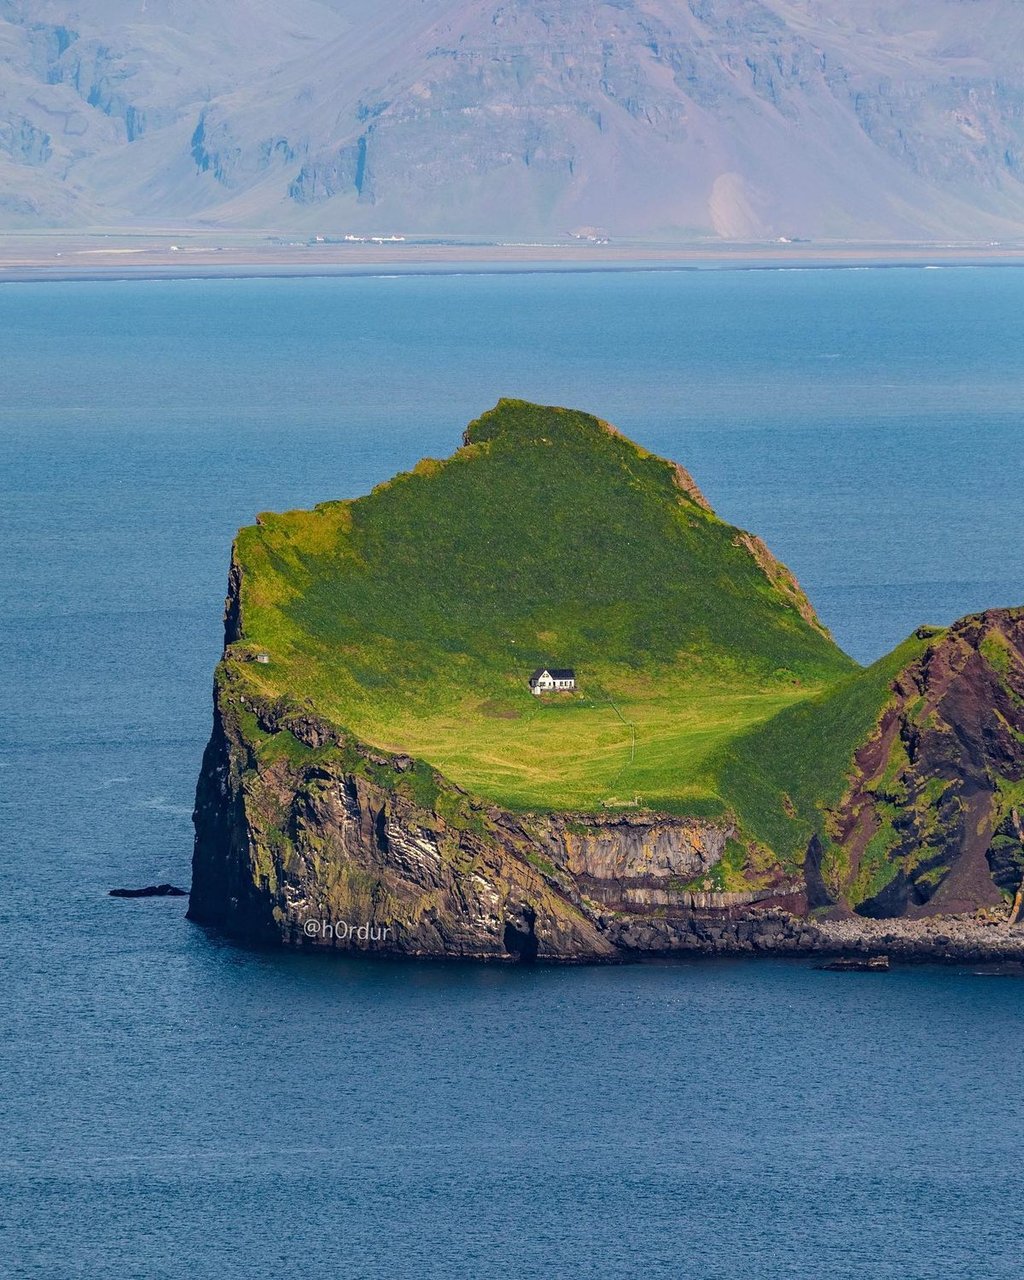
x=552, y=680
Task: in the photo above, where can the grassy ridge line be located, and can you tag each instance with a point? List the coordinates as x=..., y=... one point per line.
x=539, y=541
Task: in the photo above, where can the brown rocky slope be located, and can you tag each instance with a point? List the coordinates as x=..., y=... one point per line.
x=931, y=821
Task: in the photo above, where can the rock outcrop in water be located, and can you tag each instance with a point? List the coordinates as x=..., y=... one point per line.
x=151, y=891
x=307, y=835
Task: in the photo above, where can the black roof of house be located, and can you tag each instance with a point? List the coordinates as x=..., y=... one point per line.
x=556, y=673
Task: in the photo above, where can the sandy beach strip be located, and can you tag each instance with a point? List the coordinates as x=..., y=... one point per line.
x=66, y=256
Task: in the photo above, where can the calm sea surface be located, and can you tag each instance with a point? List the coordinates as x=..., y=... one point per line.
x=171, y=1105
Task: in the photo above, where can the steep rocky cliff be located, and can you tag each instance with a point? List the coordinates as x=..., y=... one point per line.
x=931, y=819
x=305, y=836
x=308, y=837
x=895, y=791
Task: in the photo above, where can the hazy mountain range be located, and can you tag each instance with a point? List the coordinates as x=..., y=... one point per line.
x=853, y=119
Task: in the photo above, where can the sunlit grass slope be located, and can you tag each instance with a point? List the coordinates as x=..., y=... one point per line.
x=414, y=616
x=781, y=774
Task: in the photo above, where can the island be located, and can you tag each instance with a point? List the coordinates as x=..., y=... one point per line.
x=536, y=701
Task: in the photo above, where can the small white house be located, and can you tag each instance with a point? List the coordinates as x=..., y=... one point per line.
x=552, y=680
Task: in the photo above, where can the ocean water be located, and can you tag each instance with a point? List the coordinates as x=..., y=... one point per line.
x=174, y=1105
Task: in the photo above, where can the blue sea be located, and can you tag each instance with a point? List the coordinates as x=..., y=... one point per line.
x=172, y=1105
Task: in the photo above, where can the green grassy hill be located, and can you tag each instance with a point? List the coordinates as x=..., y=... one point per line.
x=414, y=616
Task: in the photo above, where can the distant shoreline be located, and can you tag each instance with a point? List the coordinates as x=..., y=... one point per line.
x=26, y=258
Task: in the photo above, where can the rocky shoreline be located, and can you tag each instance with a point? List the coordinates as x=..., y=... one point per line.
x=980, y=938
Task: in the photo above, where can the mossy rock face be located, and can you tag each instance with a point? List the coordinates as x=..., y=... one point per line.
x=716, y=730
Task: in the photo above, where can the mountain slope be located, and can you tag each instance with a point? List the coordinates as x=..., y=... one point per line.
x=734, y=118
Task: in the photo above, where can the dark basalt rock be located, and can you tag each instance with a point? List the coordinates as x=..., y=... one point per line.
x=151, y=891
x=856, y=964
